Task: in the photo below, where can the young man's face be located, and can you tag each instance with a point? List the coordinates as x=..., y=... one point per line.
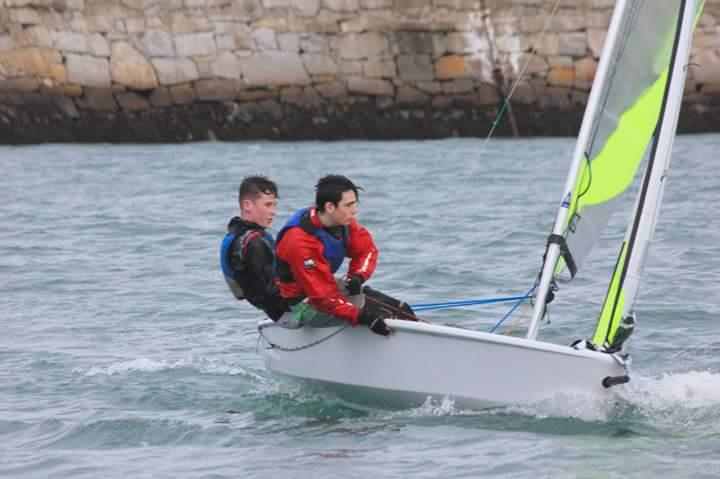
x=345, y=211
x=261, y=210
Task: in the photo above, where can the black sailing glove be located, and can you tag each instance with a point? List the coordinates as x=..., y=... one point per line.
x=354, y=284
x=373, y=321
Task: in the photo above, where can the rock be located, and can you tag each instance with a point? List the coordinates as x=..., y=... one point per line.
x=192, y=44
x=215, y=90
x=158, y=43
x=182, y=94
x=274, y=68
x=373, y=87
x=409, y=95
x=357, y=46
x=43, y=62
x=226, y=66
x=564, y=77
x=161, y=97
x=265, y=39
x=319, y=64
x=380, y=69
x=306, y=8
x=132, y=101
x=451, y=66
x=573, y=44
x=331, y=90
x=172, y=71
x=129, y=67
x=98, y=46
x=88, y=71
x=100, y=99
x=415, y=67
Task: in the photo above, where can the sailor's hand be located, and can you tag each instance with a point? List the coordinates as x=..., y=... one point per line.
x=354, y=284
x=373, y=321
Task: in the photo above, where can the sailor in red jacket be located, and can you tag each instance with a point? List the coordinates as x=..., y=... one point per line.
x=311, y=247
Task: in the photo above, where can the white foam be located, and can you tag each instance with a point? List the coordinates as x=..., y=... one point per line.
x=146, y=365
x=691, y=390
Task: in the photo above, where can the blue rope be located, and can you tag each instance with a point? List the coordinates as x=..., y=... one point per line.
x=515, y=306
x=467, y=302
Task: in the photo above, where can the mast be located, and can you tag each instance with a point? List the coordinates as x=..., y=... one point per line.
x=552, y=253
x=641, y=229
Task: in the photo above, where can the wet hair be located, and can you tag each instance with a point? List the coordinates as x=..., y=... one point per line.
x=331, y=188
x=253, y=186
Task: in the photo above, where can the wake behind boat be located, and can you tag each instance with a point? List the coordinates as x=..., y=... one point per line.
x=631, y=114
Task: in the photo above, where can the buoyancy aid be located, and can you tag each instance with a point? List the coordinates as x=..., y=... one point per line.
x=334, y=248
x=240, y=233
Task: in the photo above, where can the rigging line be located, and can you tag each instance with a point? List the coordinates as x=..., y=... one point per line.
x=515, y=306
x=457, y=304
x=520, y=75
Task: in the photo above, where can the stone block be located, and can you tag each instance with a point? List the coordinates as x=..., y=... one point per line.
x=158, y=43
x=319, y=64
x=432, y=88
x=341, y=5
x=100, y=99
x=215, y=90
x=410, y=43
x=129, y=67
x=276, y=3
x=34, y=36
x=596, y=40
x=6, y=43
x=454, y=87
x=709, y=70
x=380, y=68
x=274, y=68
x=585, y=70
x=131, y=101
x=21, y=85
x=487, y=94
x=289, y=42
x=356, y=46
x=225, y=42
x=467, y=42
x=70, y=42
x=88, y=71
x=98, y=46
x=72, y=90
x=350, y=68
x=182, y=94
x=564, y=77
x=172, y=71
x=306, y=8
x=415, y=68
x=161, y=97
x=471, y=5
x=451, y=66
x=193, y=44
x=375, y=4
x=181, y=23
x=258, y=94
x=410, y=96
x=135, y=25
x=226, y=65
x=264, y=39
x=42, y=62
x=98, y=23
x=573, y=44
x=24, y=16
x=331, y=90
x=366, y=86
x=314, y=43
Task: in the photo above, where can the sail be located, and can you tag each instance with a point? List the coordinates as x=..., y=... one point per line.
x=621, y=117
x=626, y=276
x=629, y=107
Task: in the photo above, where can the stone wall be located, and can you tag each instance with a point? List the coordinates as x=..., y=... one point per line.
x=177, y=70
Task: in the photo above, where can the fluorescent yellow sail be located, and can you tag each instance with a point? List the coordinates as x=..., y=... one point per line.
x=641, y=119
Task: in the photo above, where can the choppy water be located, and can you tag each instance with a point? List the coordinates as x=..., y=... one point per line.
x=123, y=355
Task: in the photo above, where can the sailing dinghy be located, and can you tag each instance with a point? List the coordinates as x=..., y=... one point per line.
x=631, y=115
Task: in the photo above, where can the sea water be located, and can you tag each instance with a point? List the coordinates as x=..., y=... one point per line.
x=124, y=355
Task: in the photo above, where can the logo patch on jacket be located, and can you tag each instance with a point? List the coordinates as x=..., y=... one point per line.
x=309, y=263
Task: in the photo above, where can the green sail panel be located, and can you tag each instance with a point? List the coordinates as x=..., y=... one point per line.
x=630, y=107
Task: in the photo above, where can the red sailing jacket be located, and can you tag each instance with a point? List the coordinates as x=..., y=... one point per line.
x=311, y=272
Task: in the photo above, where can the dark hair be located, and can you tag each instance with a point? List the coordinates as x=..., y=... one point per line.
x=331, y=188
x=253, y=186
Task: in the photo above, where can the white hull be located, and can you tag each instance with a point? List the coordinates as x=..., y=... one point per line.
x=423, y=360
